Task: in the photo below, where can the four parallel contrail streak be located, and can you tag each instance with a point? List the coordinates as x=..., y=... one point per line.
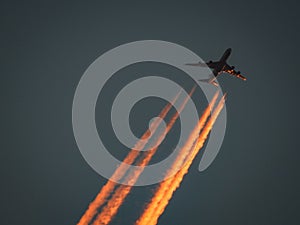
x=113, y=195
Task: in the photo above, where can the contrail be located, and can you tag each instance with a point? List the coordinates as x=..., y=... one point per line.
x=121, y=170
x=179, y=176
x=177, y=179
x=151, y=207
x=118, y=198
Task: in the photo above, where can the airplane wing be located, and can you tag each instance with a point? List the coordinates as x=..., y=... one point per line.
x=210, y=64
x=231, y=71
x=196, y=64
x=227, y=68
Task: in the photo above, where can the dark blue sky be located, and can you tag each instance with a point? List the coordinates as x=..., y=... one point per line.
x=47, y=45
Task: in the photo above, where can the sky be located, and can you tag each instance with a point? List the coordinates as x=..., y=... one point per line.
x=47, y=45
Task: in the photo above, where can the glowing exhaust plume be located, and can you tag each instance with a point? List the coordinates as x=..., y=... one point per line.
x=121, y=170
x=152, y=205
x=176, y=180
x=118, y=198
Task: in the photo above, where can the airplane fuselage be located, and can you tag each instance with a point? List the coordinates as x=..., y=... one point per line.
x=222, y=62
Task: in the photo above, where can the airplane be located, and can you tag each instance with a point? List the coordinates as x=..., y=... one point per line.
x=219, y=67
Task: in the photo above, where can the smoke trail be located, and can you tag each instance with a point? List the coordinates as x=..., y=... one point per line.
x=118, y=198
x=177, y=179
x=152, y=205
x=108, y=188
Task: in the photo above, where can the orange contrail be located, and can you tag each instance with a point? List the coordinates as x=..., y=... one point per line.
x=177, y=179
x=121, y=170
x=152, y=205
x=118, y=198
